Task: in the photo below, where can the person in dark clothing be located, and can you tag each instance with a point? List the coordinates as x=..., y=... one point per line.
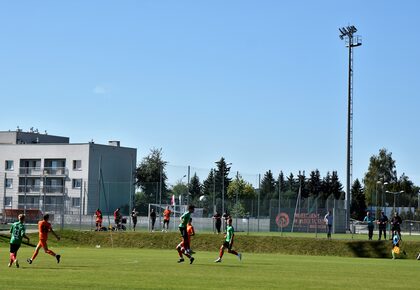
x=153, y=218
x=396, y=224
x=382, y=222
x=134, y=218
x=217, y=221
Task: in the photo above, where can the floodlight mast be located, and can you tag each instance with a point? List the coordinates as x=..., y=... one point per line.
x=347, y=33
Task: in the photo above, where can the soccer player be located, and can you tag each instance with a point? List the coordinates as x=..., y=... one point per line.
x=166, y=218
x=185, y=218
x=44, y=227
x=134, y=218
x=228, y=243
x=17, y=233
x=98, y=215
x=181, y=248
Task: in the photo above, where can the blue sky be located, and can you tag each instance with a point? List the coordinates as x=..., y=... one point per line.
x=262, y=83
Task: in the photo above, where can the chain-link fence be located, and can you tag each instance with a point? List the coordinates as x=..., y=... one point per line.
x=72, y=202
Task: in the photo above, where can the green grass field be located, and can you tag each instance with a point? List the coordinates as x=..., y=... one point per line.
x=119, y=268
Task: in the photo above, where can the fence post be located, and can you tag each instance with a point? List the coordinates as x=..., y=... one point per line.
x=258, y=203
x=80, y=204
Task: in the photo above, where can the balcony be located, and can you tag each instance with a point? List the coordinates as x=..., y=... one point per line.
x=55, y=171
x=30, y=188
x=46, y=171
x=39, y=189
x=54, y=189
x=31, y=171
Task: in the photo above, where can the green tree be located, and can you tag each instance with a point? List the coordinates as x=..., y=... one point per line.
x=280, y=184
x=381, y=167
x=304, y=193
x=358, y=202
x=209, y=184
x=195, y=188
x=336, y=186
x=151, y=177
x=221, y=176
x=326, y=186
x=314, y=183
x=268, y=186
x=241, y=189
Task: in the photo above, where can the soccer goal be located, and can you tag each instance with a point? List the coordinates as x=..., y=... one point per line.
x=158, y=209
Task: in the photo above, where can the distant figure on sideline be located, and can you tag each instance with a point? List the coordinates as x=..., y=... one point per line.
x=98, y=219
x=328, y=219
x=370, y=223
x=153, y=218
x=396, y=224
x=166, y=218
x=117, y=218
x=217, y=221
x=134, y=218
x=382, y=222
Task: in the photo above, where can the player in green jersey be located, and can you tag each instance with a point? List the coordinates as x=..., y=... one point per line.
x=17, y=233
x=185, y=218
x=228, y=243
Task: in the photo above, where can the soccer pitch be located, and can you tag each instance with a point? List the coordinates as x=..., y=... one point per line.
x=105, y=268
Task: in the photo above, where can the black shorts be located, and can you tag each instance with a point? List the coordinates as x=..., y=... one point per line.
x=14, y=248
x=166, y=222
x=227, y=245
x=184, y=233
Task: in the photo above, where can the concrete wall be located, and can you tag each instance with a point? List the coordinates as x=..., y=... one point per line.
x=117, y=163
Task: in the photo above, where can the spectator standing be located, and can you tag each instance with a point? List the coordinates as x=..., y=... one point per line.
x=153, y=218
x=370, y=223
x=396, y=224
x=117, y=218
x=217, y=221
x=134, y=218
x=382, y=222
x=98, y=219
x=328, y=219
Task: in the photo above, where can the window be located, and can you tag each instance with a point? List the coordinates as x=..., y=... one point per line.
x=9, y=165
x=8, y=201
x=75, y=201
x=77, y=183
x=9, y=182
x=77, y=164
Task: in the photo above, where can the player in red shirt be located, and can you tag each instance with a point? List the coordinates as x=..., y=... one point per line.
x=166, y=218
x=44, y=227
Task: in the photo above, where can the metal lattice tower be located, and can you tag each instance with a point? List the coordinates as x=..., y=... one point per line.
x=351, y=40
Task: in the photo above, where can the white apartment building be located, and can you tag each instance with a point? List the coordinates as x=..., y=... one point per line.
x=50, y=174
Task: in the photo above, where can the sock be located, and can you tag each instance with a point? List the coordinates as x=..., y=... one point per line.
x=49, y=252
x=221, y=253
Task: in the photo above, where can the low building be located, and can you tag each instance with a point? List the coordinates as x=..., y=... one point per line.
x=50, y=174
